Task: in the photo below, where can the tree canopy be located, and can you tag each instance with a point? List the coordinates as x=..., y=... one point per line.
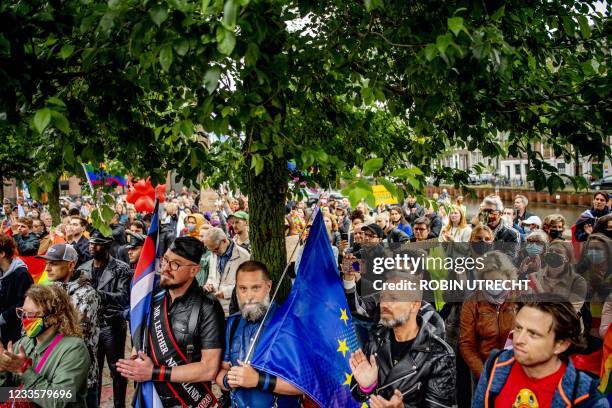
x=335, y=86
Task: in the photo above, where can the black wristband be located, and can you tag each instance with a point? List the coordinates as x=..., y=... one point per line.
x=161, y=373
x=156, y=371
x=266, y=382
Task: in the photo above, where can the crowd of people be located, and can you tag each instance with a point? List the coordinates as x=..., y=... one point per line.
x=494, y=348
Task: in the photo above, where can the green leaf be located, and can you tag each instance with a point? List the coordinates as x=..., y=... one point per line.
x=443, y=41
x=227, y=43
x=42, y=118
x=56, y=101
x=585, y=28
x=388, y=185
x=165, y=57
x=66, y=51
x=107, y=212
x=60, y=122
x=430, y=52
x=371, y=4
x=499, y=13
x=230, y=11
x=569, y=25
x=211, y=79
x=182, y=47
x=257, y=162
x=455, y=24
x=158, y=14
x=204, y=7
x=372, y=166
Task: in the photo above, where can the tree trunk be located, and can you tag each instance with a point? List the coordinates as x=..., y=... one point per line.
x=54, y=205
x=267, y=195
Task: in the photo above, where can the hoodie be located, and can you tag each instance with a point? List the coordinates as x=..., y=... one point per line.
x=14, y=283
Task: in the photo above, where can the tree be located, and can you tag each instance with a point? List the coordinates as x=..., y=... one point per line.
x=348, y=90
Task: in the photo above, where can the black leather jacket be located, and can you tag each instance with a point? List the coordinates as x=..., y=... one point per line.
x=210, y=327
x=113, y=286
x=425, y=375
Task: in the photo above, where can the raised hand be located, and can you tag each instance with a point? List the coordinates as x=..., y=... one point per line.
x=365, y=371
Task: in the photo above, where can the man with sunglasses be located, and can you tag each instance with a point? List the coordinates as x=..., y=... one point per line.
x=491, y=215
x=61, y=261
x=186, y=333
x=110, y=277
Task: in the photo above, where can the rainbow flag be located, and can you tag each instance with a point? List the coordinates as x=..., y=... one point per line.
x=605, y=385
x=101, y=177
x=37, y=269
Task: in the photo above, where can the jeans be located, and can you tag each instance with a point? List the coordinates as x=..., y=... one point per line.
x=112, y=346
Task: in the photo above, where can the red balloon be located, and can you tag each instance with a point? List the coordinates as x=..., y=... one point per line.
x=142, y=195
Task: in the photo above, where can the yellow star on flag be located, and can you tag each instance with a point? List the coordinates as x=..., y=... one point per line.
x=343, y=316
x=364, y=405
x=348, y=377
x=342, y=347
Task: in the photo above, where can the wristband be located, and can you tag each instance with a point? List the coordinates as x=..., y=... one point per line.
x=369, y=389
x=162, y=373
x=225, y=383
x=26, y=364
x=266, y=382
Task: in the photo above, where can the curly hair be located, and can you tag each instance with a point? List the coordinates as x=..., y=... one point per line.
x=57, y=305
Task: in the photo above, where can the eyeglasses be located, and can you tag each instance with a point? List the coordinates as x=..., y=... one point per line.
x=22, y=314
x=174, y=265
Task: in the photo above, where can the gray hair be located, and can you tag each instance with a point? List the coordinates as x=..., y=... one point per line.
x=495, y=201
x=540, y=235
x=216, y=235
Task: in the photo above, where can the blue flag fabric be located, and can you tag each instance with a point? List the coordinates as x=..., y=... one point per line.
x=309, y=339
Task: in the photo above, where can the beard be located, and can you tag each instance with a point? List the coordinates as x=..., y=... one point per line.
x=253, y=311
x=392, y=323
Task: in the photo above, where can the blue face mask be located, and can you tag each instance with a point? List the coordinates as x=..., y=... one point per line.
x=191, y=227
x=534, y=249
x=596, y=256
x=526, y=229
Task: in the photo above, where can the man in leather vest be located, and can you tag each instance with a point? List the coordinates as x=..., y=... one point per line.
x=403, y=364
x=185, y=333
x=111, y=279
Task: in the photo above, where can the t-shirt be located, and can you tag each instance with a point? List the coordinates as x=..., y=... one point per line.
x=525, y=392
x=399, y=349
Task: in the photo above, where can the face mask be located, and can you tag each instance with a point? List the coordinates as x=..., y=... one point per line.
x=596, y=256
x=190, y=227
x=534, y=249
x=214, y=223
x=554, y=234
x=32, y=327
x=527, y=230
x=608, y=233
x=554, y=260
x=495, y=292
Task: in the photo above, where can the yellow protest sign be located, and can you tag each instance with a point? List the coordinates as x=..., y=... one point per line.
x=382, y=195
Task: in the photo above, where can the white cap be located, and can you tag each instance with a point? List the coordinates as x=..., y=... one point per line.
x=534, y=219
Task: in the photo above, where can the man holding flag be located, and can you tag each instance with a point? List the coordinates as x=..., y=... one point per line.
x=307, y=341
x=249, y=387
x=185, y=332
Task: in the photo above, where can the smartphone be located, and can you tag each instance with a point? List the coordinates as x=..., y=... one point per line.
x=344, y=236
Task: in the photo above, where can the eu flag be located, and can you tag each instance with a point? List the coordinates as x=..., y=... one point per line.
x=309, y=339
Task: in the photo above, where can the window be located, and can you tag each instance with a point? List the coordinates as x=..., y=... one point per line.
x=561, y=168
x=517, y=170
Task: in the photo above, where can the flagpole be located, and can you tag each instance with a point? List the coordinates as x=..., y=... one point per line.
x=258, y=332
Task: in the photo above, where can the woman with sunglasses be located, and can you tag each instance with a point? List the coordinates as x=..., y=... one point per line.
x=49, y=364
